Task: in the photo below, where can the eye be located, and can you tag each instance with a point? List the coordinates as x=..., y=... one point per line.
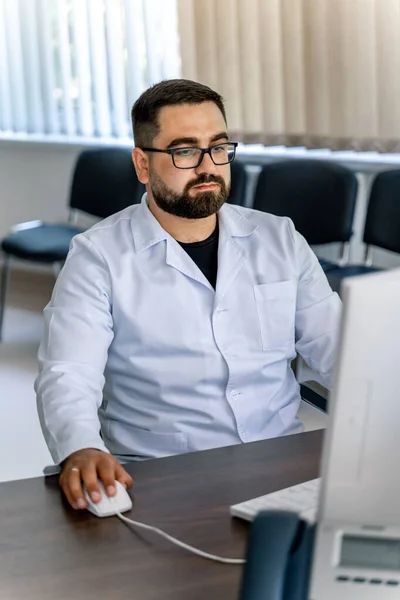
x=185, y=152
x=219, y=149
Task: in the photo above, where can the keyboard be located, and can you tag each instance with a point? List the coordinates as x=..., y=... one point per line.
x=302, y=499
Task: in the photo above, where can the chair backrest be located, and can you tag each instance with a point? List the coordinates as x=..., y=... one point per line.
x=105, y=182
x=238, y=183
x=319, y=197
x=382, y=225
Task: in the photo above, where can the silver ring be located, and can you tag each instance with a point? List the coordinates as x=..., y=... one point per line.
x=74, y=469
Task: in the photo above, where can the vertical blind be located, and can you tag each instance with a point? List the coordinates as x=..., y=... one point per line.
x=75, y=67
x=319, y=73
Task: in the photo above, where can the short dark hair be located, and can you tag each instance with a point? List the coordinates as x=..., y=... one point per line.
x=171, y=92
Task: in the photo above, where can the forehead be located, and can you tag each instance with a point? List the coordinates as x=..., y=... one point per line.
x=200, y=121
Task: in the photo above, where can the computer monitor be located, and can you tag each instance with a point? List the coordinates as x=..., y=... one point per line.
x=357, y=550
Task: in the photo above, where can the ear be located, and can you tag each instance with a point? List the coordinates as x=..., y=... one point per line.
x=141, y=162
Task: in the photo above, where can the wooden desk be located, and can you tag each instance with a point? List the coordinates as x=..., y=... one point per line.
x=50, y=552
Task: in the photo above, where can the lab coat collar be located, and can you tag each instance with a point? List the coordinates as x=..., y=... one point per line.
x=234, y=223
x=147, y=231
x=231, y=252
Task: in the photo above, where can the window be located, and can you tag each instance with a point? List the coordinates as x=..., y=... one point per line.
x=75, y=67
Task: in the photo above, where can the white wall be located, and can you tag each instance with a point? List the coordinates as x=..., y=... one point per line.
x=34, y=182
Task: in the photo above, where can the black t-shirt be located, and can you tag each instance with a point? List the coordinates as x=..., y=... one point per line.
x=205, y=255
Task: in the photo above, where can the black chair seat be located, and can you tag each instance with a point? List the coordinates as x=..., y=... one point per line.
x=352, y=271
x=45, y=243
x=326, y=265
x=336, y=276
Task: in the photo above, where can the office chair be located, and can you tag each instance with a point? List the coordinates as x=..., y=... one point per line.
x=104, y=182
x=382, y=226
x=319, y=197
x=238, y=183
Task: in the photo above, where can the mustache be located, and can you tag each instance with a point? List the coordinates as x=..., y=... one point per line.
x=205, y=178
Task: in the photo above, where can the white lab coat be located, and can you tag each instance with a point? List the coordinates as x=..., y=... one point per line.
x=141, y=357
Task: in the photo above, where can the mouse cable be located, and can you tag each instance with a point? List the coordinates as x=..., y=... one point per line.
x=228, y=561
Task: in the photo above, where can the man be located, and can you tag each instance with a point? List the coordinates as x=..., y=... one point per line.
x=173, y=324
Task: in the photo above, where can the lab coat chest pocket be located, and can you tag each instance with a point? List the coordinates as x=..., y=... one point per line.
x=276, y=308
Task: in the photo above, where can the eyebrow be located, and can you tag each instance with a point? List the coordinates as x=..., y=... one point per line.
x=192, y=140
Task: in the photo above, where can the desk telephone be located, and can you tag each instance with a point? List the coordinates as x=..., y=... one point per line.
x=279, y=558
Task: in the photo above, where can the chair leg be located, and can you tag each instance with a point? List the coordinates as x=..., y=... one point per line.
x=3, y=291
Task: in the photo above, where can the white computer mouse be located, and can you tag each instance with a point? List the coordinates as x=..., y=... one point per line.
x=109, y=505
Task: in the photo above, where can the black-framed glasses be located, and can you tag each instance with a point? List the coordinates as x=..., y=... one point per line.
x=190, y=158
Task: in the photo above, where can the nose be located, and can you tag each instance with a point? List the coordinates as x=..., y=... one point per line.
x=207, y=166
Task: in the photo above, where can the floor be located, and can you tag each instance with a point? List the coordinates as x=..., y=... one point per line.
x=22, y=448
x=23, y=451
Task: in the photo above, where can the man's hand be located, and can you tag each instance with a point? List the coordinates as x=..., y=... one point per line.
x=86, y=467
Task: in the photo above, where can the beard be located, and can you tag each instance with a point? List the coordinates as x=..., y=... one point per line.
x=182, y=205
